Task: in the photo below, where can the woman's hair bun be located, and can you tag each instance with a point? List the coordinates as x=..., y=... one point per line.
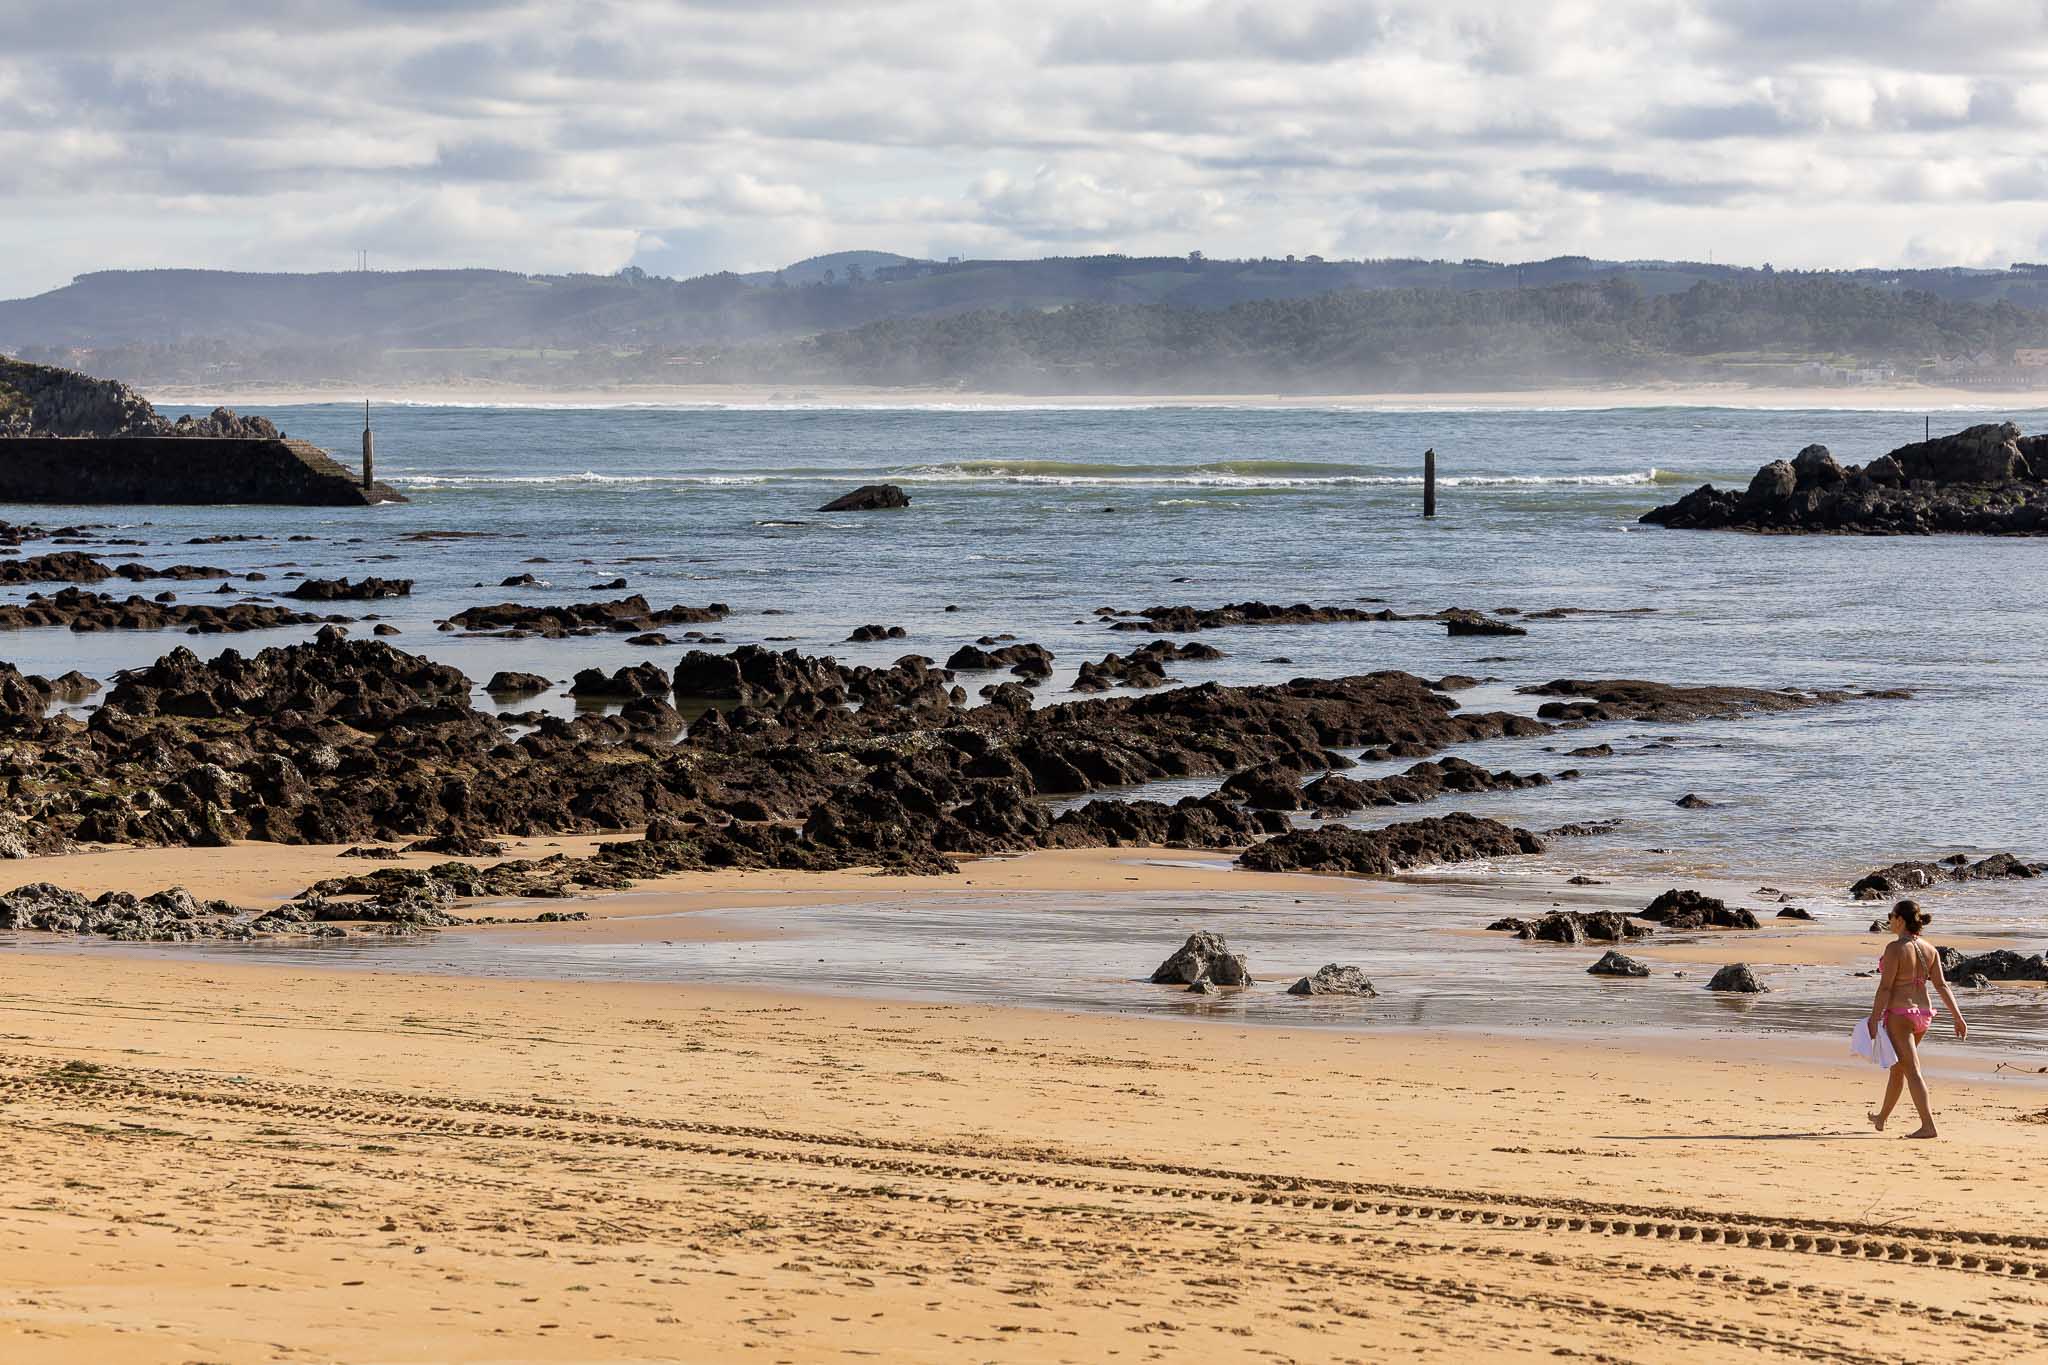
x=1912, y=916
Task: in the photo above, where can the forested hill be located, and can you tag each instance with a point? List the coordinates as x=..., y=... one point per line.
x=1414, y=339
x=1095, y=322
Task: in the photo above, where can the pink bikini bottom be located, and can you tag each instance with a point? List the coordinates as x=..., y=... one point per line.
x=1921, y=1016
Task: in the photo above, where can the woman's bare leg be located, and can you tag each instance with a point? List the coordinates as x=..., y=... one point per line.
x=1916, y=1085
x=1894, y=1084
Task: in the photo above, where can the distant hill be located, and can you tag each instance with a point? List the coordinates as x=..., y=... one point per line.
x=196, y=326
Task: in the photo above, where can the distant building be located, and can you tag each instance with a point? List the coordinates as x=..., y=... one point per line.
x=2030, y=358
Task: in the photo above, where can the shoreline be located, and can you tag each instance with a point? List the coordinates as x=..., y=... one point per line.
x=1565, y=398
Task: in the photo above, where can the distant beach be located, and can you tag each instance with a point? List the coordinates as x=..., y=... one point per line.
x=256, y=397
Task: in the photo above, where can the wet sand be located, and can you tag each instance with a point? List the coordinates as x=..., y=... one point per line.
x=247, y=1159
x=245, y=1164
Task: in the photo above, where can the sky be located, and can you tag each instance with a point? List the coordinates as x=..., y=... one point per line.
x=557, y=135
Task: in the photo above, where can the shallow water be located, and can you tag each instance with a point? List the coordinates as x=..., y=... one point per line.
x=1214, y=505
x=1095, y=953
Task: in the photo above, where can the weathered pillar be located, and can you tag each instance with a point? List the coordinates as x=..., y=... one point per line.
x=369, y=450
x=1428, y=480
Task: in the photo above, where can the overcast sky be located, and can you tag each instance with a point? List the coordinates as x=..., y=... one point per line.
x=551, y=135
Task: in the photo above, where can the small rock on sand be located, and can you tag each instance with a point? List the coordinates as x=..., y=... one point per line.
x=1204, y=957
x=1333, y=979
x=1737, y=977
x=1614, y=963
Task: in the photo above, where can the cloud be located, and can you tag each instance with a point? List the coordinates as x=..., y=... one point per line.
x=586, y=134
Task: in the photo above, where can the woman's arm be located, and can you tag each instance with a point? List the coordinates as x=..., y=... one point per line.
x=1887, y=970
x=1948, y=998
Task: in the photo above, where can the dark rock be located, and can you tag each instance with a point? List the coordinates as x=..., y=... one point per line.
x=1633, y=699
x=1978, y=481
x=1616, y=963
x=869, y=498
x=2000, y=964
x=1815, y=467
x=342, y=590
x=504, y=684
x=1181, y=620
x=1689, y=909
x=1332, y=979
x=1794, y=912
x=626, y=616
x=1459, y=621
x=868, y=634
x=1382, y=852
x=1025, y=660
x=1690, y=801
x=634, y=680
x=1572, y=926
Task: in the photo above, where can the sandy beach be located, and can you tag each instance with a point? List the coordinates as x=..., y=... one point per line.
x=243, y=1164
x=1915, y=398
x=227, y=1162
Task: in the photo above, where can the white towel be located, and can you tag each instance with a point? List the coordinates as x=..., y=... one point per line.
x=1879, y=1049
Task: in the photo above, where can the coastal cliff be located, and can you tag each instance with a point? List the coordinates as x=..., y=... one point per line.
x=1984, y=480
x=66, y=437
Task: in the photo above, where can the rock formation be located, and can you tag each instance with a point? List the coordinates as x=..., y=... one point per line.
x=1986, y=479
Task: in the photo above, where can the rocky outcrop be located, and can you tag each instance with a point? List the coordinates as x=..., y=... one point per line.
x=1906, y=877
x=1676, y=909
x=1180, y=620
x=43, y=400
x=1633, y=699
x=2000, y=964
x=626, y=616
x=90, y=611
x=874, y=497
x=1456, y=838
x=634, y=680
x=1204, y=957
x=1426, y=781
x=1462, y=621
x=1142, y=667
x=1026, y=660
x=864, y=635
x=70, y=566
x=1980, y=480
x=342, y=590
x=1572, y=926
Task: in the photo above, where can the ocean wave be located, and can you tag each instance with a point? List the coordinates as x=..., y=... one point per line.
x=1246, y=475
x=589, y=477
x=1243, y=474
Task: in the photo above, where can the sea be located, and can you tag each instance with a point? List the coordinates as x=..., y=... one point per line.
x=1026, y=519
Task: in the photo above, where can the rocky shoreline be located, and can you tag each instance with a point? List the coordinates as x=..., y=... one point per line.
x=1986, y=480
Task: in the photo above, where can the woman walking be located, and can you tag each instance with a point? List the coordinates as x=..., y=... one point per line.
x=1903, y=1012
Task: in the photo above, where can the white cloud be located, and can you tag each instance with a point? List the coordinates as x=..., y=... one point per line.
x=581, y=134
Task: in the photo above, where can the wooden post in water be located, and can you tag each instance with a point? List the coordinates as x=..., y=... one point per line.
x=1429, y=482
x=369, y=450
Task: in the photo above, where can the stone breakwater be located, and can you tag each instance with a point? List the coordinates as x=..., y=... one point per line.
x=1986, y=480
x=179, y=470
